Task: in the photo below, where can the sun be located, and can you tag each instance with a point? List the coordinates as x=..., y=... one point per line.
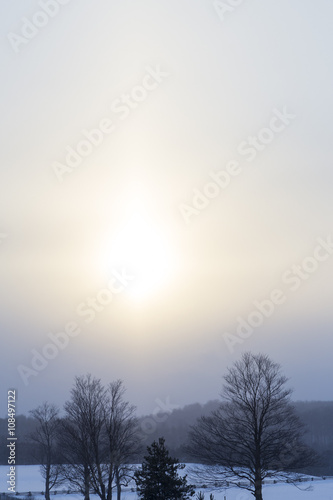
x=143, y=249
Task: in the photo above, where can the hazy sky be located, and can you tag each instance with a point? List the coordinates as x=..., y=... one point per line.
x=116, y=118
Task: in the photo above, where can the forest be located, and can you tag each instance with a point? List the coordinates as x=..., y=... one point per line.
x=174, y=426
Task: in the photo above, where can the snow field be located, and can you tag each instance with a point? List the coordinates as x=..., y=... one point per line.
x=28, y=478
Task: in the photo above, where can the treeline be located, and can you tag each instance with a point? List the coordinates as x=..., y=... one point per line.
x=317, y=416
x=174, y=425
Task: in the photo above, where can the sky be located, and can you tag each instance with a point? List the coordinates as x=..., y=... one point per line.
x=165, y=195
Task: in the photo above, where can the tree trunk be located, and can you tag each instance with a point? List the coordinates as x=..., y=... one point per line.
x=118, y=484
x=103, y=489
x=47, y=482
x=86, y=483
x=257, y=470
x=110, y=480
x=258, y=489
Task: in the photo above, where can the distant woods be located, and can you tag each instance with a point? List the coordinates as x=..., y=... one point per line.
x=316, y=415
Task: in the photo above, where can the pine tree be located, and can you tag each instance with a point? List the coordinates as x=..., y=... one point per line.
x=158, y=478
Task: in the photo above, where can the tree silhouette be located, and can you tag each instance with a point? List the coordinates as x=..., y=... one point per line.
x=255, y=434
x=45, y=437
x=158, y=478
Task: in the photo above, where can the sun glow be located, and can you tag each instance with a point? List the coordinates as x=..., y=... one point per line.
x=144, y=251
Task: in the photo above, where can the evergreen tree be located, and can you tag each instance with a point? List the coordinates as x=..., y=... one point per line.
x=158, y=478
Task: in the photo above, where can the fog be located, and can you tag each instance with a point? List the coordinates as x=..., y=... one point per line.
x=187, y=150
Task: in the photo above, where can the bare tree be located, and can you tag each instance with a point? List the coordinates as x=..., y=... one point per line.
x=75, y=454
x=255, y=434
x=45, y=437
x=83, y=426
x=122, y=436
x=99, y=437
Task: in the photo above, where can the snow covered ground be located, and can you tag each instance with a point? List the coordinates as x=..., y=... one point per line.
x=28, y=478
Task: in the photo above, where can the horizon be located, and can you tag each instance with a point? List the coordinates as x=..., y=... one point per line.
x=164, y=406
